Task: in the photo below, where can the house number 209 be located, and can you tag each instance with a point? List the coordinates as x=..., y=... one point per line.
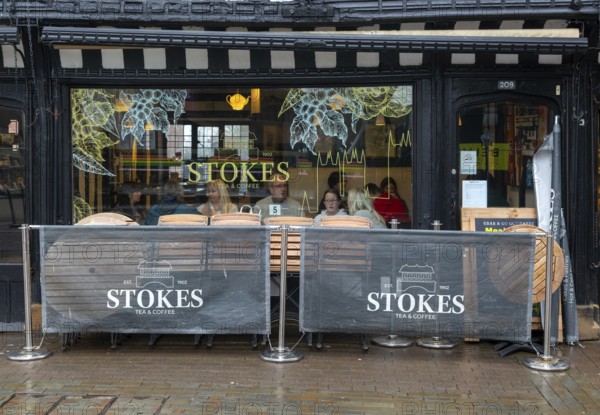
x=506, y=84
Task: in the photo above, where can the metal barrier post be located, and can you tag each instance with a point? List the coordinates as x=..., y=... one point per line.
x=392, y=340
x=28, y=352
x=282, y=354
x=546, y=361
x=436, y=342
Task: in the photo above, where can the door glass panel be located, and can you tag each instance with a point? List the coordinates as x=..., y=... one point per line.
x=497, y=141
x=12, y=184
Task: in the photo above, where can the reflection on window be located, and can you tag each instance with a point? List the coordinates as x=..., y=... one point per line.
x=144, y=138
x=497, y=141
x=179, y=147
x=236, y=138
x=208, y=141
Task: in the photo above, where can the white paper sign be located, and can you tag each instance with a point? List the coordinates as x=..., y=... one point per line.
x=474, y=194
x=274, y=210
x=468, y=162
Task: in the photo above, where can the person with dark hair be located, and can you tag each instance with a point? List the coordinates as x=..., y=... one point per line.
x=170, y=203
x=372, y=190
x=389, y=205
x=128, y=202
x=332, y=202
x=334, y=181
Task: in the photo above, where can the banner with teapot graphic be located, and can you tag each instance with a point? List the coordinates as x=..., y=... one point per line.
x=175, y=279
x=417, y=283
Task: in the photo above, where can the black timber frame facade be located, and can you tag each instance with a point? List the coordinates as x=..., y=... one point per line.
x=40, y=86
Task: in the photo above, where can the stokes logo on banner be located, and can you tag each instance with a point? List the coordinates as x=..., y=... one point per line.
x=415, y=294
x=154, y=292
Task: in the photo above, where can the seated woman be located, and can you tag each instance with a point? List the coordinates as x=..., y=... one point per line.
x=359, y=204
x=171, y=203
x=389, y=205
x=218, y=200
x=332, y=202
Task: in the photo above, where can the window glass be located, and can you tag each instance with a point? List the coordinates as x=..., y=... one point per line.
x=127, y=139
x=497, y=141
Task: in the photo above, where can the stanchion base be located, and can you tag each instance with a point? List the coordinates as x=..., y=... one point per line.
x=285, y=356
x=392, y=341
x=26, y=356
x=436, y=343
x=552, y=364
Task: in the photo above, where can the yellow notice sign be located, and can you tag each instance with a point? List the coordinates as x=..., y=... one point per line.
x=498, y=155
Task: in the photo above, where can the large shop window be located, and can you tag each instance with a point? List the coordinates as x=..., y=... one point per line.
x=128, y=141
x=497, y=141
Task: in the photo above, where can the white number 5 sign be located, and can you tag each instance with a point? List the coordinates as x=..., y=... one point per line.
x=274, y=210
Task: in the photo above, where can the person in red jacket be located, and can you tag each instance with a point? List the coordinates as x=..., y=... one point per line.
x=389, y=205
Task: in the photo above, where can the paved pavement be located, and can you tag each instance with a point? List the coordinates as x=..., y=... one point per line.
x=175, y=378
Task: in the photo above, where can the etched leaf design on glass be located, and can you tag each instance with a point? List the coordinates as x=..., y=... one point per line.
x=81, y=209
x=303, y=131
x=326, y=107
x=149, y=110
x=389, y=101
x=313, y=109
x=91, y=111
x=294, y=96
x=86, y=163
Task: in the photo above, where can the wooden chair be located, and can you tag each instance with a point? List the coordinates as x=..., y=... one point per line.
x=293, y=245
x=350, y=255
x=346, y=222
x=289, y=220
x=102, y=219
x=292, y=263
x=183, y=256
x=183, y=219
x=235, y=219
x=107, y=218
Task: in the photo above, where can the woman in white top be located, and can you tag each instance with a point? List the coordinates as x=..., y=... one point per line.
x=332, y=202
x=359, y=204
x=218, y=200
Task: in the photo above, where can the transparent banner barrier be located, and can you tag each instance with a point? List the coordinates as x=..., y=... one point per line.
x=175, y=279
x=417, y=283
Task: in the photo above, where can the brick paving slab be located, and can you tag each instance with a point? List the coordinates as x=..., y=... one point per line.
x=93, y=405
x=175, y=378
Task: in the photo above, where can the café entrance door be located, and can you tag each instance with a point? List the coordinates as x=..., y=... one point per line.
x=493, y=139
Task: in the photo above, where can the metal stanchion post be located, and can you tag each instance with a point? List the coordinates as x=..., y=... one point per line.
x=547, y=362
x=392, y=340
x=436, y=342
x=28, y=352
x=282, y=354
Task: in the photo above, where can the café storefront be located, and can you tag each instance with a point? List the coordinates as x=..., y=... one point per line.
x=387, y=94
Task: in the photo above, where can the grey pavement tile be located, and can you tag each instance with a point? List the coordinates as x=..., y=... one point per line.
x=175, y=378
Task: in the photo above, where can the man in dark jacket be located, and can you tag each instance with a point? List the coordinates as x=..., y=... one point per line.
x=171, y=202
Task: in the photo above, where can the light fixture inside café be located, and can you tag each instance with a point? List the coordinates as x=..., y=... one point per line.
x=255, y=101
